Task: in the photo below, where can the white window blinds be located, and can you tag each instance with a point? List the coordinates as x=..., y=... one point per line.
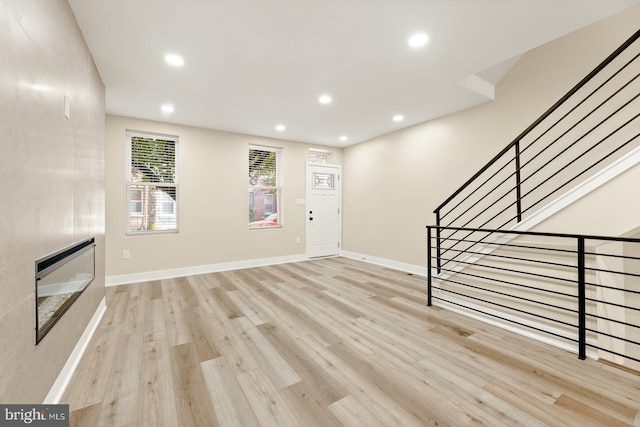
x=265, y=184
x=152, y=187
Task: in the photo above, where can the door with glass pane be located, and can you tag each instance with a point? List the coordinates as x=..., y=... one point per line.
x=323, y=206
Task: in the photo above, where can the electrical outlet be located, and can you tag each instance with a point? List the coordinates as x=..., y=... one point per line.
x=126, y=254
x=298, y=240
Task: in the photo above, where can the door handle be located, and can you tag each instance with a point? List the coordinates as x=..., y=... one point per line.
x=310, y=218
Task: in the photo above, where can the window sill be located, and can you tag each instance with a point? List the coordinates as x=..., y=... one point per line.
x=265, y=227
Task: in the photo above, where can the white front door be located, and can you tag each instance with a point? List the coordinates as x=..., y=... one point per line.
x=323, y=210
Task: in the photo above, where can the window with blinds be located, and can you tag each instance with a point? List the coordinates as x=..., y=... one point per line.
x=264, y=187
x=152, y=185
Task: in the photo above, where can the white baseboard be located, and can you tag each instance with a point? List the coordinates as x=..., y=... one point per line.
x=199, y=269
x=534, y=334
x=59, y=386
x=397, y=265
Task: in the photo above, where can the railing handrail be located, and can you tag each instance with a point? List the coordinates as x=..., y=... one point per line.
x=540, y=233
x=546, y=114
x=581, y=268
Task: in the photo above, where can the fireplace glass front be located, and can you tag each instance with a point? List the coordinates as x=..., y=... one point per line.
x=60, y=279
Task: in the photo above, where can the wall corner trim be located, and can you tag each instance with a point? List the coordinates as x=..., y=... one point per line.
x=61, y=383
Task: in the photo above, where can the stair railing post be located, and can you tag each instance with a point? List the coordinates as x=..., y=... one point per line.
x=518, y=191
x=438, y=249
x=582, y=314
x=428, y=266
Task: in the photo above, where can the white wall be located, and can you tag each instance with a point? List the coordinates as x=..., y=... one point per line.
x=213, y=203
x=52, y=174
x=393, y=183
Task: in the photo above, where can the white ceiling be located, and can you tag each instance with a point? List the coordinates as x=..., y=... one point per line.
x=252, y=64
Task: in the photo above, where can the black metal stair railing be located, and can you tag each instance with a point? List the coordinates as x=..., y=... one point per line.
x=580, y=290
x=595, y=124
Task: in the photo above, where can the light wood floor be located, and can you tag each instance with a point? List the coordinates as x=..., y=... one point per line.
x=330, y=342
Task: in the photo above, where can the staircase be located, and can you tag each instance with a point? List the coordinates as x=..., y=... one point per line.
x=487, y=256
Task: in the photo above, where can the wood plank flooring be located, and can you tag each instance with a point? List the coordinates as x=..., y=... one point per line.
x=328, y=342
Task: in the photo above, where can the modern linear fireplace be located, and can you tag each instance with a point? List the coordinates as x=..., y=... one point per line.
x=60, y=279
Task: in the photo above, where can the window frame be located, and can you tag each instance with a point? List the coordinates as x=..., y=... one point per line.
x=277, y=188
x=139, y=203
x=146, y=188
x=318, y=157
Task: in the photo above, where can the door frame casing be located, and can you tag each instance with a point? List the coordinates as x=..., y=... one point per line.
x=308, y=197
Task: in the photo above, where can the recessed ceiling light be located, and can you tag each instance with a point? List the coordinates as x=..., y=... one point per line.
x=324, y=99
x=398, y=118
x=418, y=40
x=280, y=128
x=174, y=60
x=167, y=108
x=344, y=138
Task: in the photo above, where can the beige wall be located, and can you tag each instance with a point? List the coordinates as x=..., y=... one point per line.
x=393, y=183
x=610, y=210
x=52, y=174
x=213, y=201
